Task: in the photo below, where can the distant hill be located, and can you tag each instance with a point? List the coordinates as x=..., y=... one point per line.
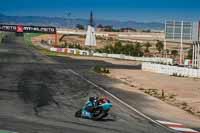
x=62, y=22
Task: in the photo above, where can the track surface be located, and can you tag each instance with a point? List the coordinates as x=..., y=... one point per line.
x=40, y=95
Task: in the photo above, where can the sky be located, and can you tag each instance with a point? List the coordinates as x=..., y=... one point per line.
x=124, y=10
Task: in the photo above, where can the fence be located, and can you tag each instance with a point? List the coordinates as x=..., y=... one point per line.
x=171, y=70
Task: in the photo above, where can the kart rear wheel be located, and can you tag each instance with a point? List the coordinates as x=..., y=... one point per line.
x=78, y=113
x=99, y=114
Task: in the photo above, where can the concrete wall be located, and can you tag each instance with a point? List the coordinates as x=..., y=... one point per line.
x=116, y=56
x=144, y=59
x=171, y=70
x=70, y=51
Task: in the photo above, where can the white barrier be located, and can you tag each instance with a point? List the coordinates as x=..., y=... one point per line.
x=70, y=51
x=116, y=56
x=171, y=70
x=145, y=59
x=53, y=49
x=84, y=52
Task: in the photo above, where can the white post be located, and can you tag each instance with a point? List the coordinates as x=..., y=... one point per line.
x=173, y=29
x=195, y=54
x=195, y=57
x=165, y=42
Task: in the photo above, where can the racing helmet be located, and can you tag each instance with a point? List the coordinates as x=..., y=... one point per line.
x=92, y=99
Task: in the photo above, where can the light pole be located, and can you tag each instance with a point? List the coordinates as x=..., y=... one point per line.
x=165, y=42
x=193, y=54
x=181, y=49
x=198, y=55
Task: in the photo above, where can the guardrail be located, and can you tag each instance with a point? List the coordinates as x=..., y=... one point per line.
x=171, y=70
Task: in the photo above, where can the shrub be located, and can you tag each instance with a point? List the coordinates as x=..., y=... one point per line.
x=101, y=69
x=127, y=49
x=159, y=46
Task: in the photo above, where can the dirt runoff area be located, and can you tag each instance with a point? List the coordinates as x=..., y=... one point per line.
x=181, y=92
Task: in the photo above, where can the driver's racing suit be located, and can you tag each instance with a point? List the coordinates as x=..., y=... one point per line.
x=88, y=108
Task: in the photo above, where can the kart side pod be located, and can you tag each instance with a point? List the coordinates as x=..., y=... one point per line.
x=106, y=106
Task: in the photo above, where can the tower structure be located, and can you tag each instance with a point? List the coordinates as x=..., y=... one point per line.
x=91, y=35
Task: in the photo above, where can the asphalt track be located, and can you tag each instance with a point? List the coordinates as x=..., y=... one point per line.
x=29, y=79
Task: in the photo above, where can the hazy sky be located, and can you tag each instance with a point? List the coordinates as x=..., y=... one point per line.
x=138, y=10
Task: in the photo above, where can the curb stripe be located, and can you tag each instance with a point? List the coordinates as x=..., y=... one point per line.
x=178, y=127
x=191, y=132
x=184, y=129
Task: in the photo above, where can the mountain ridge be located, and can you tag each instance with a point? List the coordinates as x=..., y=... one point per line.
x=72, y=22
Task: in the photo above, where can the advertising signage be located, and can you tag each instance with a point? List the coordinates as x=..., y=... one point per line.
x=9, y=28
x=177, y=30
x=40, y=29
x=28, y=29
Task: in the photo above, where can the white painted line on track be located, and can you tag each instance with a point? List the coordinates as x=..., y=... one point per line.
x=184, y=129
x=170, y=123
x=121, y=101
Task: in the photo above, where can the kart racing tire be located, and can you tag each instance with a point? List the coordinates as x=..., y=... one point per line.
x=78, y=113
x=99, y=114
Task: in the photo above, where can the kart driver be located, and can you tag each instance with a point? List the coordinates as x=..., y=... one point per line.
x=89, y=107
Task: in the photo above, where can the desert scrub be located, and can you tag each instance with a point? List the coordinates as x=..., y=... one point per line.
x=101, y=69
x=170, y=99
x=161, y=94
x=184, y=104
x=152, y=92
x=172, y=96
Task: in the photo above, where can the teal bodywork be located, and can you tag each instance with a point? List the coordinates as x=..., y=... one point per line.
x=89, y=115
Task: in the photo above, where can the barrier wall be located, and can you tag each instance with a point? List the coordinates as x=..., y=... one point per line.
x=144, y=59
x=116, y=56
x=171, y=70
x=70, y=51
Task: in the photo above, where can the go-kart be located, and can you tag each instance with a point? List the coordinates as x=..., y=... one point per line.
x=97, y=112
